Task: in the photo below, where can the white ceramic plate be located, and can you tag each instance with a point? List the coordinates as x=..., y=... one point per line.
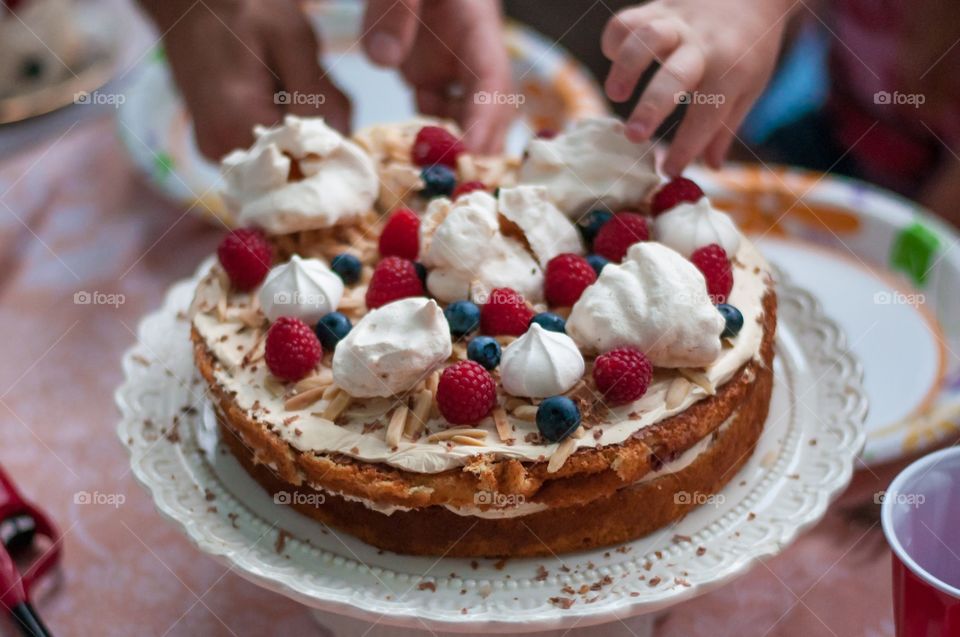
x=804, y=459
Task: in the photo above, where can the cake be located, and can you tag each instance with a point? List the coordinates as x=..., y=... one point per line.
x=445, y=354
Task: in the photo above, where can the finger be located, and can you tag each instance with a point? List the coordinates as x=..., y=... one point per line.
x=644, y=44
x=432, y=101
x=486, y=73
x=681, y=72
x=719, y=146
x=700, y=124
x=619, y=27
x=389, y=27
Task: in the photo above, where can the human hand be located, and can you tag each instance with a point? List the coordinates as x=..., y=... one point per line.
x=440, y=45
x=231, y=60
x=723, y=51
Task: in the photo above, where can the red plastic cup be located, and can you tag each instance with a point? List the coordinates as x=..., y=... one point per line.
x=921, y=519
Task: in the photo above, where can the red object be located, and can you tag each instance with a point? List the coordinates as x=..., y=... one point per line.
x=393, y=279
x=505, y=313
x=466, y=393
x=467, y=187
x=401, y=235
x=676, y=191
x=567, y=276
x=622, y=375
x=246, y=256
x=617, y=235
x=435, y=145
x=712, y=261
x=292, y=349
x=921, y=609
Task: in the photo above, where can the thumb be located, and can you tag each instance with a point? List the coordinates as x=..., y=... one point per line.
x=389, y=28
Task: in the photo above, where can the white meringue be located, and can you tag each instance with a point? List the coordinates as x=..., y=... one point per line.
x=392, y=348
x=591, y=165
x=691, y=226
x=303, y=288
x=540, y=363
x=656, y=301
x=339, y=179
x=547, y=230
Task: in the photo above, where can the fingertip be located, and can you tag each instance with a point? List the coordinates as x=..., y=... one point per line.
x=638, y=132
x=384, y=49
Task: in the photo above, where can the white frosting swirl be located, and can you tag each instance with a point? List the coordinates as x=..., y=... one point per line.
x=690, y=226
x=541, y=363
x=591, y=165
x=547, y=230
x=655, y=301
x=392, y=348
x=303, y=288
x=339, y=180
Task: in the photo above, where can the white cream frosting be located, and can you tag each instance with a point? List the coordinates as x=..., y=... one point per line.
x=540, y=363
x=655, y=301
x=464, y=250
x=339, y=179
x=303, y=288
x=691, y=226
x=591, y=164
x=547, y=230
x=392, y=348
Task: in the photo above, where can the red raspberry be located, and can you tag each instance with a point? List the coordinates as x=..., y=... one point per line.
x=713, y=262
x=466, y=393
x=435, y=145
x=622, y=375
x=292, y=348
x=505, y=313
x=393, y=278
x=622, y=231
x=567, y=276
x=467, y=187
x=245, y=255
x=401, y=235
x=673, y=193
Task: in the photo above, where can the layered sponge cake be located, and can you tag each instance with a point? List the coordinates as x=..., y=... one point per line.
x=446, y=354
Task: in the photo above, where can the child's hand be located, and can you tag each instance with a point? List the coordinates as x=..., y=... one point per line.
x=233, y=59
x=442, y=44
x=724, y=50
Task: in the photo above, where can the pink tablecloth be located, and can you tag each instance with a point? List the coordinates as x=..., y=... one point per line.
x=74, y=217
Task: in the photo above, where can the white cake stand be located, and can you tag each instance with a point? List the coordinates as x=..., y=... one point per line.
x=804, y=459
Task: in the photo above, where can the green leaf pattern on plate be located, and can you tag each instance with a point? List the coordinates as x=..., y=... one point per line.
x=913, y=250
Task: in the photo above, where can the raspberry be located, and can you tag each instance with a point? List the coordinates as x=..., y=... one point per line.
x=466, y=393
x=622, y=375
x=435, y=145
x=467, y=187
x=712, y=261
x=401, y=235
x=567, y=276
x=673, y=193
x=618, y=234
x=245, y=255
x=292, y=348
x=505, y=313
x=393, y=278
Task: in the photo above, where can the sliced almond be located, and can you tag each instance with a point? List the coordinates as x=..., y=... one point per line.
x=395, y=429
x=559, y=457
x=678, y=390
x=526, y=413
x=699, y=378
x=330, y=392
x=504, y=430
x=337, y=406
x=513, y=403
x=448, y=434
x=323, y=378
x=274, y=386
x=420, y=414
x=468, y=441
x=304, y=399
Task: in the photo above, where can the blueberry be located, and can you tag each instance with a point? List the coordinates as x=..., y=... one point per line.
x=438, y=180
x=484, y=350
x=331, y=329
x=463, y=317
x=550, y=321
x=557, y=418
x=421, y=272
x=590, y=225
x=347, y=267
x=597, y=262
x=734, y=320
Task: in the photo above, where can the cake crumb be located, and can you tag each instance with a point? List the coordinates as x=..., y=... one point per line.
x=427, y=586
x=542, y=573
x=680, y=539
x=562, y=602
x=654, y=581
x=701, y=551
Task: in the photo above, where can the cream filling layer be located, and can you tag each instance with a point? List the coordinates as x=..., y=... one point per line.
x=361, y=434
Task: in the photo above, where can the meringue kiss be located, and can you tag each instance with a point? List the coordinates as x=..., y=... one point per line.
x=540, y=363
x=303, y=288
